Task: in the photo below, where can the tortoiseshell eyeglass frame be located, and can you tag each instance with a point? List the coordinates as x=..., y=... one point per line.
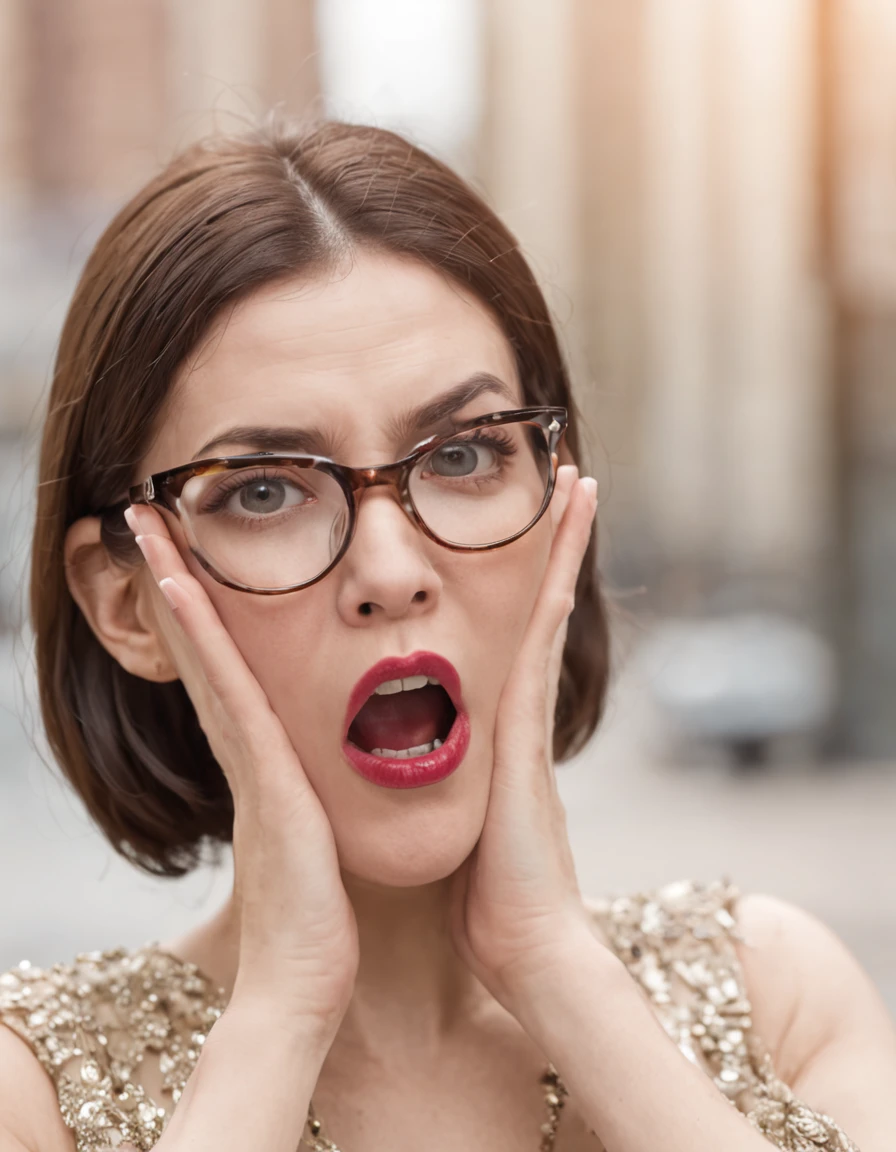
x=165, y=488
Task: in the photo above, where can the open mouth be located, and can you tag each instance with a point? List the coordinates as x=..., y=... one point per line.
x=410, y=716
x=406, y=724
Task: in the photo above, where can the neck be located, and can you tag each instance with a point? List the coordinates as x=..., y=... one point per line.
x=411, y=984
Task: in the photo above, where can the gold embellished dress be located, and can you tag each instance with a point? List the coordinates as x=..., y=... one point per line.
x=120, y=1032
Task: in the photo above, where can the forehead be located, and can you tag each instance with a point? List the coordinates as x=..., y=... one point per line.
x=351, y=351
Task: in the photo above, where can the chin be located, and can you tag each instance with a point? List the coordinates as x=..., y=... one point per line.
x=422, y=856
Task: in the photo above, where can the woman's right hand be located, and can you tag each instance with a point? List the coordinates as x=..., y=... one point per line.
x=298, y=951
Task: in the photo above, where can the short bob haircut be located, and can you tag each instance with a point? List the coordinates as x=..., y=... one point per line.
x=228, y=215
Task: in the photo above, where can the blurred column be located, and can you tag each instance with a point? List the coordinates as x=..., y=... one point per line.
x=97, y=96
x=862, y=36
x=737, y=414
x=680, y=445
x=863, y=33
x=231, y=61
x=772, y=375
x=530, y=146
x=13, y=108
x=609, y=48
x=290, y=76
x=215, y=59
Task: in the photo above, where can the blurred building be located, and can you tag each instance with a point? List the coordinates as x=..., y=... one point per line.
x=713, y=195
x=707, y=188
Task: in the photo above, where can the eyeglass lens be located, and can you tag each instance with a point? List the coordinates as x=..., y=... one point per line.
x=270, y=527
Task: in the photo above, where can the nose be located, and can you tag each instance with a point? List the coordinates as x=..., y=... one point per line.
x=386, y=571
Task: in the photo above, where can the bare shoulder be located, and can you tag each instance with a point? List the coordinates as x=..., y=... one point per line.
x=809, y=993
x=30, y=1119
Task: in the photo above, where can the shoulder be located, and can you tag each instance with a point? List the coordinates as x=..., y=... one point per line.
x=47, y=1007
x=96, y=1030
x=802, y=985
x=687, y=929
x=29, y=1109
x=808, y=990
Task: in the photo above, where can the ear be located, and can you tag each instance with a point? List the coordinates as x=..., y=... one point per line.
x=116, y=602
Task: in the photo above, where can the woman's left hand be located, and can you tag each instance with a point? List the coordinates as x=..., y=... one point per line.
x=516, y=906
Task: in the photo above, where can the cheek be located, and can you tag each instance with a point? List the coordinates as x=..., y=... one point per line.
x=501, y=594
x=284, y=642
x=280, y=637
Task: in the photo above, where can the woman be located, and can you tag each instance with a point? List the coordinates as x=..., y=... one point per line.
x=362, y=675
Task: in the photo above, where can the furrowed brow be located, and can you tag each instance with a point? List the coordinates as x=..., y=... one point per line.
x=318, y=442
x=427, y=417
x=266, y=438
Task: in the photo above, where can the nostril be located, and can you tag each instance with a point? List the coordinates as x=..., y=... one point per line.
x=419, y=597
x=366, y=608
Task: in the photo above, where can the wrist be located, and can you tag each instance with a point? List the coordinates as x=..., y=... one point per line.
x=252, y=1083
x=561, y=976
x=293, y=1030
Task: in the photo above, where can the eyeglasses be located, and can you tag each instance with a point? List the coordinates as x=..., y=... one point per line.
x=269, y=523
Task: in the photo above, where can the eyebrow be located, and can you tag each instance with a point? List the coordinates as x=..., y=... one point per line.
x=315, y=441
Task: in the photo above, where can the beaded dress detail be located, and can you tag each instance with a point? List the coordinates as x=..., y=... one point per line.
x=120, y=1032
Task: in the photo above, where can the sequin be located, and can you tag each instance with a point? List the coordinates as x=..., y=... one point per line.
x=687, y=931
x=93, y=1023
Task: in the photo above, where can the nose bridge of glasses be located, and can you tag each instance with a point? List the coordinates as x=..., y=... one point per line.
x=389, y=476
x=379, y=476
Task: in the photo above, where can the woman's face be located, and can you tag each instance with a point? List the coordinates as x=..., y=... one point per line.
x=354, y=355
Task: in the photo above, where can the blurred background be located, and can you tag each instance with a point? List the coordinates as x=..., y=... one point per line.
x=707, y=189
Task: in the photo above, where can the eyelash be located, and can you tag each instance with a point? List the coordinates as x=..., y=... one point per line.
x=494, y=438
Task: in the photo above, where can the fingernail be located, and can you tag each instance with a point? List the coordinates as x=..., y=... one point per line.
x=173, y=592
x=130, y=517
x=139, y=540
x=590, y=486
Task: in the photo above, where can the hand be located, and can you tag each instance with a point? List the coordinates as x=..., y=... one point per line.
x=298, y=934
x=516, y=904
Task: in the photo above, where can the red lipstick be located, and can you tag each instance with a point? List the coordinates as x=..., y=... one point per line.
x=415, y=771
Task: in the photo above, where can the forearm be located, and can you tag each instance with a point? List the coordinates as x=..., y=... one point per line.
x=627, y=1078
x=250, y=1088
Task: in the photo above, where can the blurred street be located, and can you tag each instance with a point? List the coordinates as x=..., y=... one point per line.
x=827, y=843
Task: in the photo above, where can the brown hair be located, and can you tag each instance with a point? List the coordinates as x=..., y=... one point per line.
x=223, y=218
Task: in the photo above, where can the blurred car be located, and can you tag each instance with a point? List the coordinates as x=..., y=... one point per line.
x=741, y=681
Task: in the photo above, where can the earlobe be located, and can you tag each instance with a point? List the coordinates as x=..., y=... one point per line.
x=115, y=602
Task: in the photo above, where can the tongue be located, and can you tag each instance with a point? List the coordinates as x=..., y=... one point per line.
x=403, y=719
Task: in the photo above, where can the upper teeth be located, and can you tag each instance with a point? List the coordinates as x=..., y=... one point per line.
x=407, y=684
x=407, y=753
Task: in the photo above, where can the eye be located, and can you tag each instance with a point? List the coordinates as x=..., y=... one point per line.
x=255, y=496
x=259, y=496
x=462, y=458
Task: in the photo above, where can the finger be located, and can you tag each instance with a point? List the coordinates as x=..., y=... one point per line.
x=556, y=596
x=567, y=474
x=527, y=708
x=236, y=690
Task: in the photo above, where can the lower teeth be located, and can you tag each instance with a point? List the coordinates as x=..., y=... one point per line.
x=407, y=753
